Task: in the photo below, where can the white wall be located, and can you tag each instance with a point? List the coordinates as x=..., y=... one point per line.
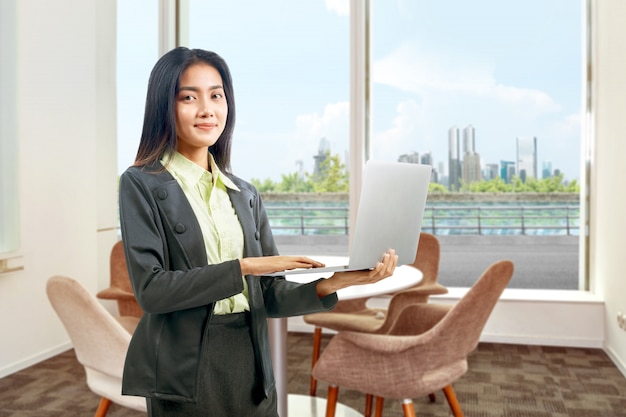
x=66, y=134
x=608, y=204
x=66, y=131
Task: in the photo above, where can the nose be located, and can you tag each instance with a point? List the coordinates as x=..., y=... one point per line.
x=206, y=111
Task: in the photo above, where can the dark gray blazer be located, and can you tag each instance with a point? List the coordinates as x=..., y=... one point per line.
x=177, y=289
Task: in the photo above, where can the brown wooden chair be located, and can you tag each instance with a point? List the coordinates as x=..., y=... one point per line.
x=354, y=315
x=421, y=353
x=120, y=288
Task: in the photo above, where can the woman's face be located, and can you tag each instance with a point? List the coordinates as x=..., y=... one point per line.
x=201, y=111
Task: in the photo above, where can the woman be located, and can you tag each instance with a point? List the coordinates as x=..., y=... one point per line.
x=198, y=243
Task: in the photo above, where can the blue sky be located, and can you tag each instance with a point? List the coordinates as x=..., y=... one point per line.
x=507, y=68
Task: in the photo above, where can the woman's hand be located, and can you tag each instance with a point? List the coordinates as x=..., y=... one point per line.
x=339, y=280
x=268, y=264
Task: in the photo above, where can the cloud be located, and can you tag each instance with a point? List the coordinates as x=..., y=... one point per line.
x=269, y=154
x=332, y=124
x=341, y=7
x=403, y=125
x=413, y=68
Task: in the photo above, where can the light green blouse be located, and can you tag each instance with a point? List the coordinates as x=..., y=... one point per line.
x=221, y=230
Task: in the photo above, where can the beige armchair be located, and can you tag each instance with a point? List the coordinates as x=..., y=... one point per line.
x=100, y=340
x=423, y=352
x=354, y=315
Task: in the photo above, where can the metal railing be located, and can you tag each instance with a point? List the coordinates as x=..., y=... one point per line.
x=439, y=220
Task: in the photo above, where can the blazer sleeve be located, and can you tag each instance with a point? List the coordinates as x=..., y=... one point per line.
x=285, y=298
x=165, y=272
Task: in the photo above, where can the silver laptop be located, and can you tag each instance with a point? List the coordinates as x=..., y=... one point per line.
x=391, y=207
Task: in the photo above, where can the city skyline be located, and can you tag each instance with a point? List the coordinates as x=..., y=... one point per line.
x=494, y=68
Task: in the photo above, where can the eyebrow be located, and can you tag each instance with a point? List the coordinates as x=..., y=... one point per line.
x=213, y=87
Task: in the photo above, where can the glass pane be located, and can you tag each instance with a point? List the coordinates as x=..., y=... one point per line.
x=290, y=66
x=9, y=203
x=487, y=91
x=137, y=52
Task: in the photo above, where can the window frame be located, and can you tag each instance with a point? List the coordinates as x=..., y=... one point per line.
x=174, y=27
x=9, y=162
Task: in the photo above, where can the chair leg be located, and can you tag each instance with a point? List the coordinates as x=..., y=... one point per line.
x=331, y=400
x=408, y=408
x=369, y=399
x=380, y=402
x=452, y=400
x=432, y=397
x=317, y=341
x=103, y=407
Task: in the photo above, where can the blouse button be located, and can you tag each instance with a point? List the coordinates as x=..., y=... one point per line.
x=180, y=228
x=162, y=194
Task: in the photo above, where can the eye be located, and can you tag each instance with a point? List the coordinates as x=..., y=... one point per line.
x=187, y=98
x=218, y=95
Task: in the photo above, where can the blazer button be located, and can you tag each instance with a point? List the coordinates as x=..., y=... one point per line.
x=162, y=194
x=251, y=203
x=257, y=235
x=180, y=228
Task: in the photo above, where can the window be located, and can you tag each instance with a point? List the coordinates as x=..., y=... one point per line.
x=483, y=90
x=137, y=51
x=291, y=78
x=9, y=201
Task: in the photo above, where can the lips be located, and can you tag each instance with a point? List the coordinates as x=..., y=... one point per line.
x=206, y=126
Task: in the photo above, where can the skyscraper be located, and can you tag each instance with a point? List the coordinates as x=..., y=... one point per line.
x=507, y=170
x=471, y=159
x=469, y=144
x=546, y=169
x=412, y=158
x=471, y=168
x=490, y=172
x=527, y=157
x=454, y=162
x=318, y=159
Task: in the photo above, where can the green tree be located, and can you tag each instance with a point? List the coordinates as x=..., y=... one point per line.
x=265, y=186
x=293, y=183
x=434, y=187
x=332, y=176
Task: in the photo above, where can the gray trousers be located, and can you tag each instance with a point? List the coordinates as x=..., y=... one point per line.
x=229, y=383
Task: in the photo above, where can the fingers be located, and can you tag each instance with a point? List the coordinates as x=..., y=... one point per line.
x=312, y=262
x=388, y=264
x=269, y=264
x=302, y=262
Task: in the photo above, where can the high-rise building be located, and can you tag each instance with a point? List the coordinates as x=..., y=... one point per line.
x=546, y=169
x=490, y=172
x=442, y=177
x=426, y=158
x=527, y=157
x=469, y=144
x=471, y=171
x=471, y=168
x=318, y=159
x=412, y=158
x=507, y=170
x=454, y=161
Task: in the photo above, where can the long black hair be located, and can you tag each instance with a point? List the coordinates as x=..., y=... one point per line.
x=158, y=136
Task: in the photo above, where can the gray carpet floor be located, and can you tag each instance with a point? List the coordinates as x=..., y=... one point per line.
x=503, y=380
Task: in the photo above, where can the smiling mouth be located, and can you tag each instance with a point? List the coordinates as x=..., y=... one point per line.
x=206, y=125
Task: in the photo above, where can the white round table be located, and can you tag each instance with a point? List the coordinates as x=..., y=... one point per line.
x=404, y=277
